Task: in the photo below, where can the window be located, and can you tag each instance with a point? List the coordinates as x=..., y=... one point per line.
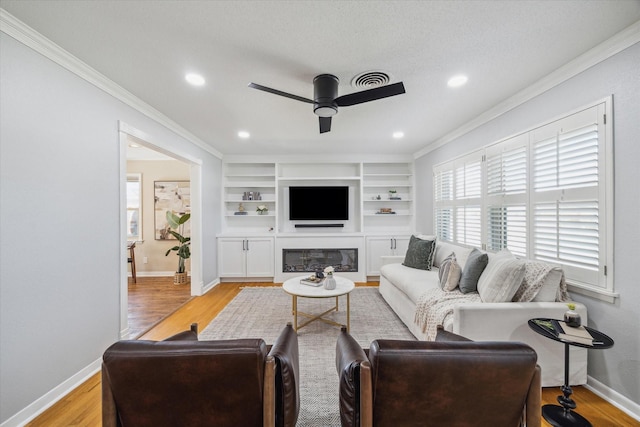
x=544, y=194
x=134, y=207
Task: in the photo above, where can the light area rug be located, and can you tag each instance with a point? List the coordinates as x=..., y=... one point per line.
x=263, y=313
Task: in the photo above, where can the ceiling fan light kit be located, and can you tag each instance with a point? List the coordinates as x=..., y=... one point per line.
x=326, y=100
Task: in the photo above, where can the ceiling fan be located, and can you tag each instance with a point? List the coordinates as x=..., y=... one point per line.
x=326, y=100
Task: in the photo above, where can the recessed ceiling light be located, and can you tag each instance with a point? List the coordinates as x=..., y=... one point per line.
x=194, y=79
x=457, y=81
x=398, y=135
x=132, y=145
x=243, y=134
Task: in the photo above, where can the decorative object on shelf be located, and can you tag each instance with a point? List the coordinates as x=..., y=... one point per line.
x=393, y=195
x=385, y=211
x=571, y=317
x=329, y=282
x=262, y=210
x=241, y=210
x=378, y=197
x=183, y=248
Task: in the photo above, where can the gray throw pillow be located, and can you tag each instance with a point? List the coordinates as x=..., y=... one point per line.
x=420, y=253
x=472, y=270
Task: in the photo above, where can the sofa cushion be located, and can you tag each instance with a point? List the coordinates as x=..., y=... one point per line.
x=449, y=273
x=420, y=253
x=412, y=281
x=444, y=249
x=472, y=270
x=501, y=278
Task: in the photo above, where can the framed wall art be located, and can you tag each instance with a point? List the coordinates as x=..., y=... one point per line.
x=170, y=196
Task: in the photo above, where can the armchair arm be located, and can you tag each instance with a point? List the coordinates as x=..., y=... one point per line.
x=109, y=411
x=534, y=400
x=287, y=377
x=349, y=357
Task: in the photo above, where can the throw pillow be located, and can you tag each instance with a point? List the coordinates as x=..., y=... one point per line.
x=501, y=279
x=472, y=270
x=420, y=253
x=449, y=273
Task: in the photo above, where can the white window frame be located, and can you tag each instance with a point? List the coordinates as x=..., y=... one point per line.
x=135, y=177
x=601, y=288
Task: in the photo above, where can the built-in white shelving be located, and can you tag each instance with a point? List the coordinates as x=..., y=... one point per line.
x=374, y=188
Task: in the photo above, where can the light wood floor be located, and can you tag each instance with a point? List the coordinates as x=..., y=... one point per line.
x=82, y=407
x=151, y=299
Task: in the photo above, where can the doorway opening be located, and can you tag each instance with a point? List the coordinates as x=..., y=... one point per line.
x=155, y=180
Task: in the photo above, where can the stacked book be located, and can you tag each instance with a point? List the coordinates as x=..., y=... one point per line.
x=312, y=281
x=568, y=333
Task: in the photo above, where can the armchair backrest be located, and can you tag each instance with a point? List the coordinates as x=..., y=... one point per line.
x=185, y=382
x=450, y=383
x=459, y=382
x=172, y=383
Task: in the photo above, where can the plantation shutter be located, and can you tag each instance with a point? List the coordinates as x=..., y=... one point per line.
x=567, y=209
x=443, y=194
x=468, y=199
x=506, y=195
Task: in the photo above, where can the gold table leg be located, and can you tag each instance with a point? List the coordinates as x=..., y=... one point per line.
x=348, y=314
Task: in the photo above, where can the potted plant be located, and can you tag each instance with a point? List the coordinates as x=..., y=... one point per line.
x=176, y=229
x=262, y=210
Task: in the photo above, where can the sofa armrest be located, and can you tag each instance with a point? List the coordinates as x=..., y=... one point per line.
x=392, y=259
x=287, y=376
x=349, y=357
x=509, y=322
x=485, y=321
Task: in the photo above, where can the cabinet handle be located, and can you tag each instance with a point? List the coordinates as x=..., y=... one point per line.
x=247, y=244
x=243, y=245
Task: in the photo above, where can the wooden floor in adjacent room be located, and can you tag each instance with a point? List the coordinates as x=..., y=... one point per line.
x=82, y=407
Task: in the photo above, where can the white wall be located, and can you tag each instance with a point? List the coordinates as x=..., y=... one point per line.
x=619, y=367
x=59, y=223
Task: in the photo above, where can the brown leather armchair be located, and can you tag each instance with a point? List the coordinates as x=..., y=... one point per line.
x=449, y=382
x=185, y=382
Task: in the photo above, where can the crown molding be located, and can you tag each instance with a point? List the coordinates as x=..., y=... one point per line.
x=18, y=30
x=616, y=44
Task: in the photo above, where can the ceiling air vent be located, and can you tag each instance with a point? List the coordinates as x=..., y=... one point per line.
x=370, y=79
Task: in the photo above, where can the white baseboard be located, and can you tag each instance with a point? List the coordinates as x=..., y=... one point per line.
x=215, y=282
x=621, y=402
x=49, y=399
x=154, y=274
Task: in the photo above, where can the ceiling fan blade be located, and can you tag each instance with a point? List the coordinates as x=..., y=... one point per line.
x=370, y=95
x=325, y=124
x=279, y=92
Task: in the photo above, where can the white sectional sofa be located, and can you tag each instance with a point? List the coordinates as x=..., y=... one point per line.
x=402, y=286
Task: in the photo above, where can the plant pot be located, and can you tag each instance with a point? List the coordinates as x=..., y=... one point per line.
x=572, y=318
x=180, y=278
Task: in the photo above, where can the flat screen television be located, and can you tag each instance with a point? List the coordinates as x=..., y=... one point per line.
x=319, y=203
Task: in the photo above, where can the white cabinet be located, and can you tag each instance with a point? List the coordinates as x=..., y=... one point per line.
x=246, y=257
x=378, y=246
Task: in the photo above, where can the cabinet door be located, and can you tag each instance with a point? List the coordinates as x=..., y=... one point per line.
x=377, y=247
x=401, y=245
x=231, y=257
x=260, y=260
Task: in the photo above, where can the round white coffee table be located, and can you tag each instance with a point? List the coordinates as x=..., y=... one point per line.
x=296, y=289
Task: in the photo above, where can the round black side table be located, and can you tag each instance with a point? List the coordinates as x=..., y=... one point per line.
x=564, y=415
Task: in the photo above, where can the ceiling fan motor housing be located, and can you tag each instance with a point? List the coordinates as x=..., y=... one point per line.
x=325, y=91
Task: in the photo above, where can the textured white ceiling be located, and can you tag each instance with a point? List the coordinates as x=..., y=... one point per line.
x=148, y=46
